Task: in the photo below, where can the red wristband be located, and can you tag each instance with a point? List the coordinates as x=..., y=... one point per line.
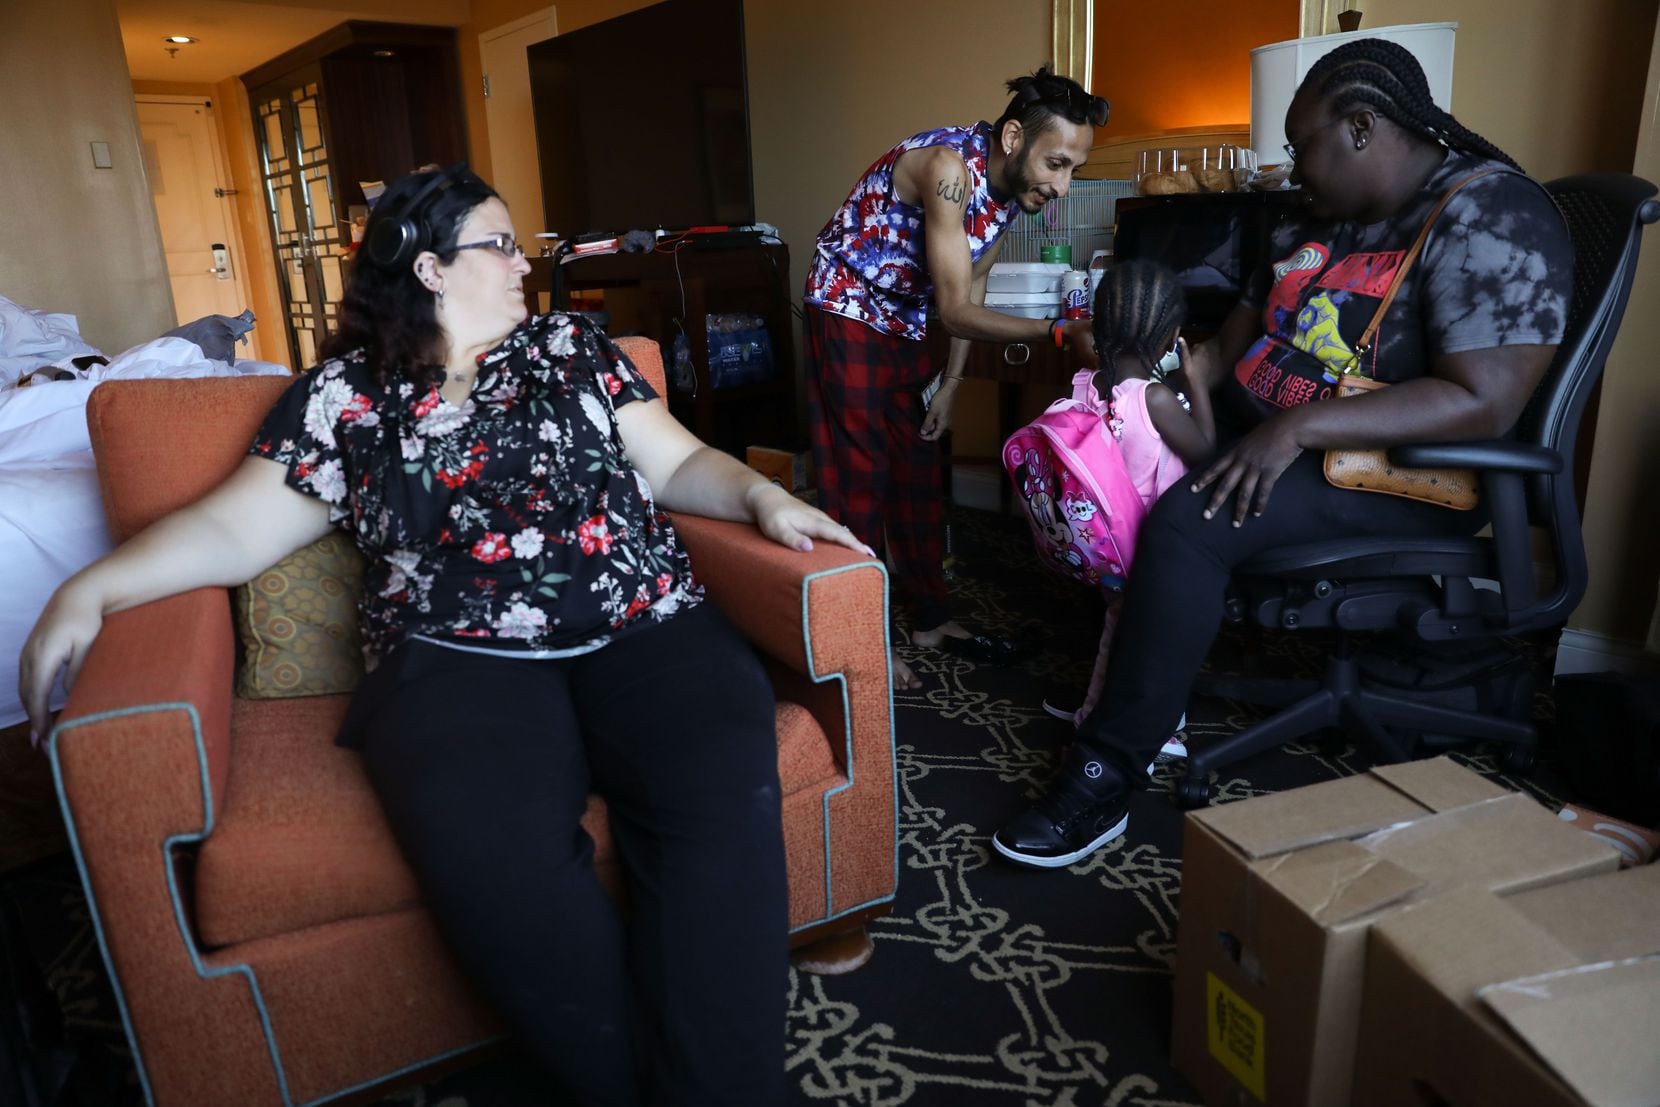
x=1057, y=331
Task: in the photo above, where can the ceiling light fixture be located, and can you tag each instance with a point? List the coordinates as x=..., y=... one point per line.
x=181, y=40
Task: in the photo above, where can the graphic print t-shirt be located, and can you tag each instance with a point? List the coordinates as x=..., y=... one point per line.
x=1496, y=270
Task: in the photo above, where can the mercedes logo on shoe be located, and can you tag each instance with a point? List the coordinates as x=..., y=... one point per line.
x=1093, y=770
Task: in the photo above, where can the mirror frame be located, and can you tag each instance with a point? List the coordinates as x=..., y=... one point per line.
x=1072, y=26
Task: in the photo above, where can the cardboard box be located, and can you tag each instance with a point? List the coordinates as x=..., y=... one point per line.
x=783, y=468
x=1279, y=892
x=1547, y=998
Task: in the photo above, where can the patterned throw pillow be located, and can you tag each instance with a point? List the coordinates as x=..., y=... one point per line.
x=297, y=622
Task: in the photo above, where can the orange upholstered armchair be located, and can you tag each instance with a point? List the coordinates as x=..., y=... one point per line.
x=266, y=941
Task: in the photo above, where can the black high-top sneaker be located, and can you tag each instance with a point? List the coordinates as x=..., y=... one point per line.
x=1085, y=807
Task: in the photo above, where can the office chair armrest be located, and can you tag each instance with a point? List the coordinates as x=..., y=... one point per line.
x=1503, y=465
x=1500, y=455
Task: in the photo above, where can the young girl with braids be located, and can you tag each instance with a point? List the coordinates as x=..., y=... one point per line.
x=1139, y=311
x=1468, y=336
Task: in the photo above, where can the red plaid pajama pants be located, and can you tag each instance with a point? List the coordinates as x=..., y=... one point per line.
x=876, y=473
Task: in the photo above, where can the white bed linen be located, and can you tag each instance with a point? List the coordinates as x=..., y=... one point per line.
x=51, y=515
x=51, y=524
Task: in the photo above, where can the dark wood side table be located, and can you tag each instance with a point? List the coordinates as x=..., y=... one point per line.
x=663, y=295
x=1010, y=365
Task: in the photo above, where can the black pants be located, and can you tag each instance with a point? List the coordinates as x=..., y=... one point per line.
x=484, y=765
x=1173, y=602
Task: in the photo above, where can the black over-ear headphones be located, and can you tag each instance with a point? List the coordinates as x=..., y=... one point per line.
x=394, y=241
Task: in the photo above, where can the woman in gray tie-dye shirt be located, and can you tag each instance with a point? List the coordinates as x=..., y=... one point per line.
x=1469, y=335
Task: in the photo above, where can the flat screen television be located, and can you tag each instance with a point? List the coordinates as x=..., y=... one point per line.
x=1214, y=241
x=642, y=121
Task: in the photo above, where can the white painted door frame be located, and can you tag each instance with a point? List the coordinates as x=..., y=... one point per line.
x=508, y=117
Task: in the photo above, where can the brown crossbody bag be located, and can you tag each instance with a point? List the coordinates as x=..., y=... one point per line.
x=1370, y=470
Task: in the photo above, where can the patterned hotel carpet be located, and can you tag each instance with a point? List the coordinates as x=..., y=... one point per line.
x=992, y=986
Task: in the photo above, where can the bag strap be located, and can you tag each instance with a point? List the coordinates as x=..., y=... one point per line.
x=1083, y=388
x=1364, y=346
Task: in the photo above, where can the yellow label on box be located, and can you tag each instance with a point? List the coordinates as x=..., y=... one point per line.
x=1235, y=1030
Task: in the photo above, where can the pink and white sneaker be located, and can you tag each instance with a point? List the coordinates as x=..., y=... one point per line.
x=1174, y=748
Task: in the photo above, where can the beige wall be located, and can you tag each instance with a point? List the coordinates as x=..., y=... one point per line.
x=820, y=115
x=74, y=238
x=1557, y=85
x=1563, y=88
x=1623, y=500
x=1560, y=86
x=824, y=103
x=825, y=100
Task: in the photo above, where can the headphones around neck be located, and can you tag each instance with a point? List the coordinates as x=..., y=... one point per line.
x=394, y=241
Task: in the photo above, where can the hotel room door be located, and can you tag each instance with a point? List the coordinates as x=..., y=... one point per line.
x=187, y=182
x=305, y=220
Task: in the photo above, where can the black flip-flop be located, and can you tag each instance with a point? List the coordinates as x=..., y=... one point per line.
x=983, y=648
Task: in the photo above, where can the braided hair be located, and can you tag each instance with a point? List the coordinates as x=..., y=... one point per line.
x=1038, y=99
x=1138, y=305
x=1384, y=76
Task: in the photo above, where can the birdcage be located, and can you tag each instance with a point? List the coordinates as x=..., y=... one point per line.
x=1082, y=219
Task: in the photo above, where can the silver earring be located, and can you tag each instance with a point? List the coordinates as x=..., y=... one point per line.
x=440, y=295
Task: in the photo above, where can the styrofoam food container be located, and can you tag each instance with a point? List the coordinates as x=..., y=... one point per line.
x=1023, y=297
x=1028, y=311
x=1026, y=276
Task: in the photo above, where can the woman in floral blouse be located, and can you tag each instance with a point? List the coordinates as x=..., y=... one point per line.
x=535, y=634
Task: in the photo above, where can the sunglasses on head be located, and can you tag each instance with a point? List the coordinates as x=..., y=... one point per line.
x=1071, y=101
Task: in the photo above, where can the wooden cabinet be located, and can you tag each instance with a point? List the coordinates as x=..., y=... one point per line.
x=669, y=295
x=363, y=102
x=1011, y=365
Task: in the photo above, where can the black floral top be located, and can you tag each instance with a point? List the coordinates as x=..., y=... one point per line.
x=513, y=521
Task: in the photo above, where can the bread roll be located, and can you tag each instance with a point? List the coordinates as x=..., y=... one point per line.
x=1215, y=180
x=1166, y=184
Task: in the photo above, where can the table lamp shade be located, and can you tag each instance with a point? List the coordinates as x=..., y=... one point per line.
x=1278, y=68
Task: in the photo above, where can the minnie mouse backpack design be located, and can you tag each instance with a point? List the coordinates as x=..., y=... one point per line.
x=1067, y=469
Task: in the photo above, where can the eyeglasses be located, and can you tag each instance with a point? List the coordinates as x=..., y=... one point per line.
x=503, y=244
x=1291, y=147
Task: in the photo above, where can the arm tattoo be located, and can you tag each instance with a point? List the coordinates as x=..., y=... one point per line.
x=952, y=190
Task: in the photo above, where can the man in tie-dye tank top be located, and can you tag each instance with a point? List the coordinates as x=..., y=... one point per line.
x=916, y=237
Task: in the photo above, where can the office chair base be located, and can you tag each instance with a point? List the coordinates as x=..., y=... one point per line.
x=1366, y=712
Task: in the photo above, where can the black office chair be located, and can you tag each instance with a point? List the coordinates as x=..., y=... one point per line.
x=1424, y=590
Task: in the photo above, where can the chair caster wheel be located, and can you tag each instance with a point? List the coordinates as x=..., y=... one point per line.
x=1192, y=793
x=1518, y=760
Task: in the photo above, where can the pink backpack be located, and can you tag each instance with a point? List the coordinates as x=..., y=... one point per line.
x=1070, y=476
